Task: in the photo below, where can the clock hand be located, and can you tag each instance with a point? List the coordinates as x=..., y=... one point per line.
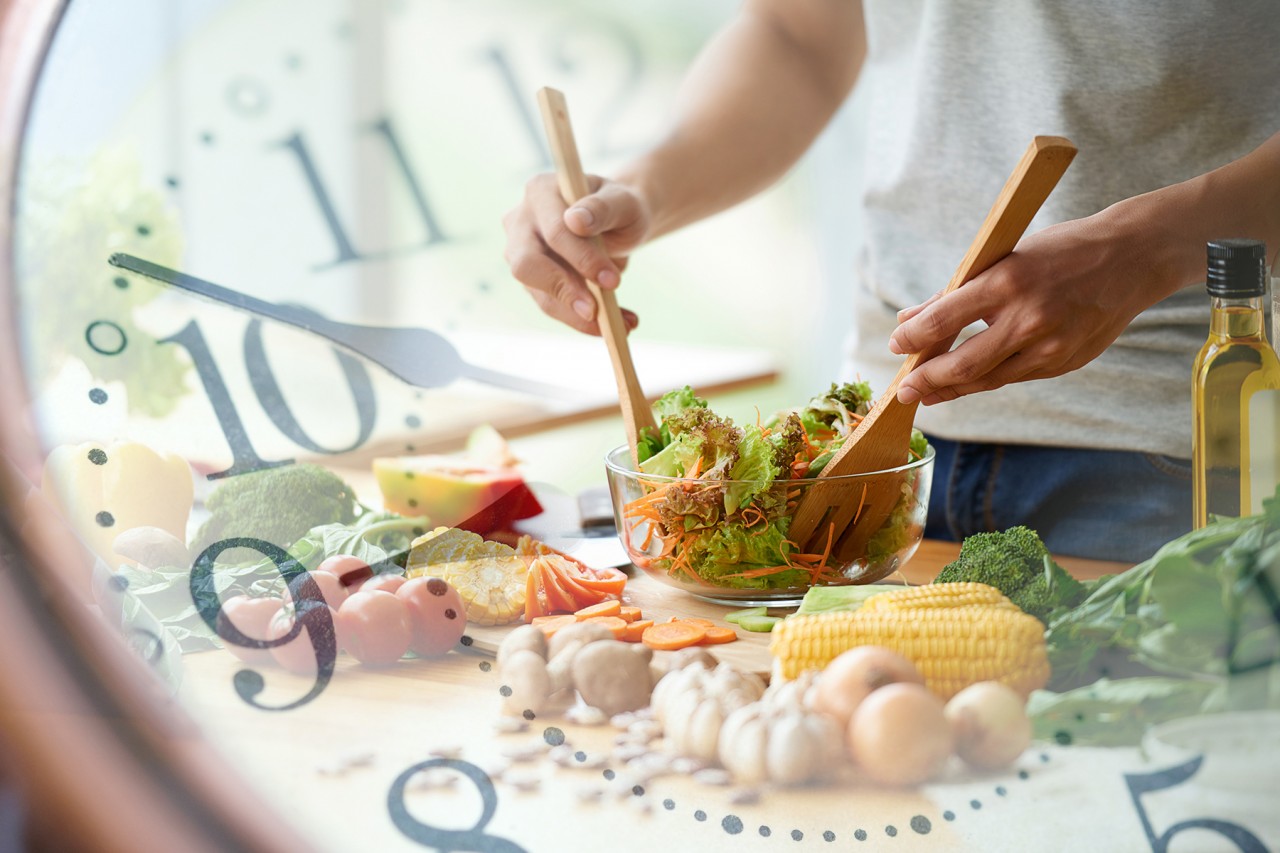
x=420, y=357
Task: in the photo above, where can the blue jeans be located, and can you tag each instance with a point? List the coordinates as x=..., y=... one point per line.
x=1102, y=504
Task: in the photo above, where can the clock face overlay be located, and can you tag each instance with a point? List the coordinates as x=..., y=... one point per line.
x=304, y=436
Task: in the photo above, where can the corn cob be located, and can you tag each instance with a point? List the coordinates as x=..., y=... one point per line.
x=955, y=634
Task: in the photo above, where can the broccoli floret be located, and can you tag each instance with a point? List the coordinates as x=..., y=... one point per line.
x=278, y=505
x=1017, y=563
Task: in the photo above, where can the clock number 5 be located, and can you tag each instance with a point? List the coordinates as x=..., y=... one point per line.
x=347, y=251
x=1145, y=783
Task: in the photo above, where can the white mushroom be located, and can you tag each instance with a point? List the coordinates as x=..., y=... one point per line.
x=613, y=677
x=525, y=676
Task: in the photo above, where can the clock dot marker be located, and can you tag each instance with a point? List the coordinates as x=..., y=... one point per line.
x=206, y=138
x=171, y=182
x=413, y=421
x=293, y=62
x=105, y=338
x=104, y=519
x=97, y=395
x=247, y=97
x=143, y=230
x=98, y=456
x=121, y=282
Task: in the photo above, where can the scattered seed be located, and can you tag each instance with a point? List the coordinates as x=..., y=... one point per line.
x=349, y=761
x=649, y=730
x=623, y=720
x=451, y=750
x=586, y=715
x=686, y=766
x=712, y=776
x=510, y=725
x=522, y=781
x=527, y=751
x=744, y=796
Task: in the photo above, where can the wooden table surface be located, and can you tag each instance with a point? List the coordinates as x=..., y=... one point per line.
x=331, y=765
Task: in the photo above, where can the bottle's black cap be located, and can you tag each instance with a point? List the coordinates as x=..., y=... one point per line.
x=1237, y=268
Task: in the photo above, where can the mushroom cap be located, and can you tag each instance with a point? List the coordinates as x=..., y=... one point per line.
x=612, y=677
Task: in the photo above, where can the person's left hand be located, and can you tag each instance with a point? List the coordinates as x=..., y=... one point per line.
x=1050, y=307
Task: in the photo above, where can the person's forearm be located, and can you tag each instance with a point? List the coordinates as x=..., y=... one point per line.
x=751, y=104
x=1240, y=199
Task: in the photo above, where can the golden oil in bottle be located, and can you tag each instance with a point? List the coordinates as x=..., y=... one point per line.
x=1236, y=389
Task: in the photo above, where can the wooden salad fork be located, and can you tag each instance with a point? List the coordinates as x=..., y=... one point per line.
x=637, y=415
x=844, y=515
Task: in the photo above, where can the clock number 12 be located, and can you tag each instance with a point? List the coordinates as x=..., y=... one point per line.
x=347, y=250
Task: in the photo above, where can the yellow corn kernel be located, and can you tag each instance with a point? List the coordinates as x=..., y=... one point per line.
x=933, y=595
x=952, y=647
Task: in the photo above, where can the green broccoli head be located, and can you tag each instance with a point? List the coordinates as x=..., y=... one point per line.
x=278, y=505
x=1017, y=563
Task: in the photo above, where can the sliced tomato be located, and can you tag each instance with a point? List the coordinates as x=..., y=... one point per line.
x=559, y=598
x=535, y=596
x=608, y=581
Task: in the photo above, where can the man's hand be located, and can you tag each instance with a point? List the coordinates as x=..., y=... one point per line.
x=552, y=252
x=1063, y=296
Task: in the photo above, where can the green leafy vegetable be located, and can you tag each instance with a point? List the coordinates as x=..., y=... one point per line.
x=278, y=505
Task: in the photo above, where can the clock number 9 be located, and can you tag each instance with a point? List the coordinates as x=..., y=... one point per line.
x=1145, y=783
x=473, y=839
x=311, y=613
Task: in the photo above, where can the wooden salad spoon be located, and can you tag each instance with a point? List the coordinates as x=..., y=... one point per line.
x=844, y=515
x=637, y=416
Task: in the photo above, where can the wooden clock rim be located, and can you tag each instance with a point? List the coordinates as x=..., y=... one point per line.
x=115, y=767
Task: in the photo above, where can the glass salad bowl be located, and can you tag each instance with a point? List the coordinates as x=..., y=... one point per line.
x=700, y=536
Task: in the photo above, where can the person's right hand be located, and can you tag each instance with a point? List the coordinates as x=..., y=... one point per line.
x=552, y=251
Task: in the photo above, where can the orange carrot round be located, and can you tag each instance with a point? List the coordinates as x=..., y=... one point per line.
x=635, y=630
x=717, y=634
x=613, y=623
x=673, y=635
x=550, y=624
x=602, y=608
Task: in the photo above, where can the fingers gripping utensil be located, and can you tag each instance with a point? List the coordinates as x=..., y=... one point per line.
x=848, y=514
x=636, y=414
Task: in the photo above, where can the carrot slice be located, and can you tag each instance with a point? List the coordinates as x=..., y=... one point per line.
x=629, y=614
x=716, y=635
x=695, y=620
x=558, y=598
x=550, y=624
x=603, y=608
x=613, y=623
x=673, y=635
x=635, y=630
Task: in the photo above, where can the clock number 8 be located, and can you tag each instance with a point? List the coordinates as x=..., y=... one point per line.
x=311, y=613
x=447, y=840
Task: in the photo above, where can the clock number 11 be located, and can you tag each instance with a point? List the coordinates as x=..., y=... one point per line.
x=347, y=250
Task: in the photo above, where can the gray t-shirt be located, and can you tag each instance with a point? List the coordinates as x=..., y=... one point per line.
x=1151, y=93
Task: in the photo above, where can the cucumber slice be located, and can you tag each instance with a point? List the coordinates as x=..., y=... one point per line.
x=750, y=611
x=761, y=624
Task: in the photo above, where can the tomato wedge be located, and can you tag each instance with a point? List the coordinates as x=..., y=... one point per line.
x=535, y=596
x=558, y=597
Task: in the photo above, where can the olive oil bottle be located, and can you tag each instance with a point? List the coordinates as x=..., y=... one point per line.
x=1236, y=389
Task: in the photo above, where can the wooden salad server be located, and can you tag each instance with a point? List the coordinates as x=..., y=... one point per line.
x=847, y=514
x=636, y=412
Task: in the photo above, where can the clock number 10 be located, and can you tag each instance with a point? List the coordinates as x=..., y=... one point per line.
x=244, y=458
x=347, y=250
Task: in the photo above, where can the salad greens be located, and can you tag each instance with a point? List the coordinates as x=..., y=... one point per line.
x=731, y=529
x=1198, y=624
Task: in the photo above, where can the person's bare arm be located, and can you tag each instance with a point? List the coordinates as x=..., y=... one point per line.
x=754, y=100
x=1067, y=292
